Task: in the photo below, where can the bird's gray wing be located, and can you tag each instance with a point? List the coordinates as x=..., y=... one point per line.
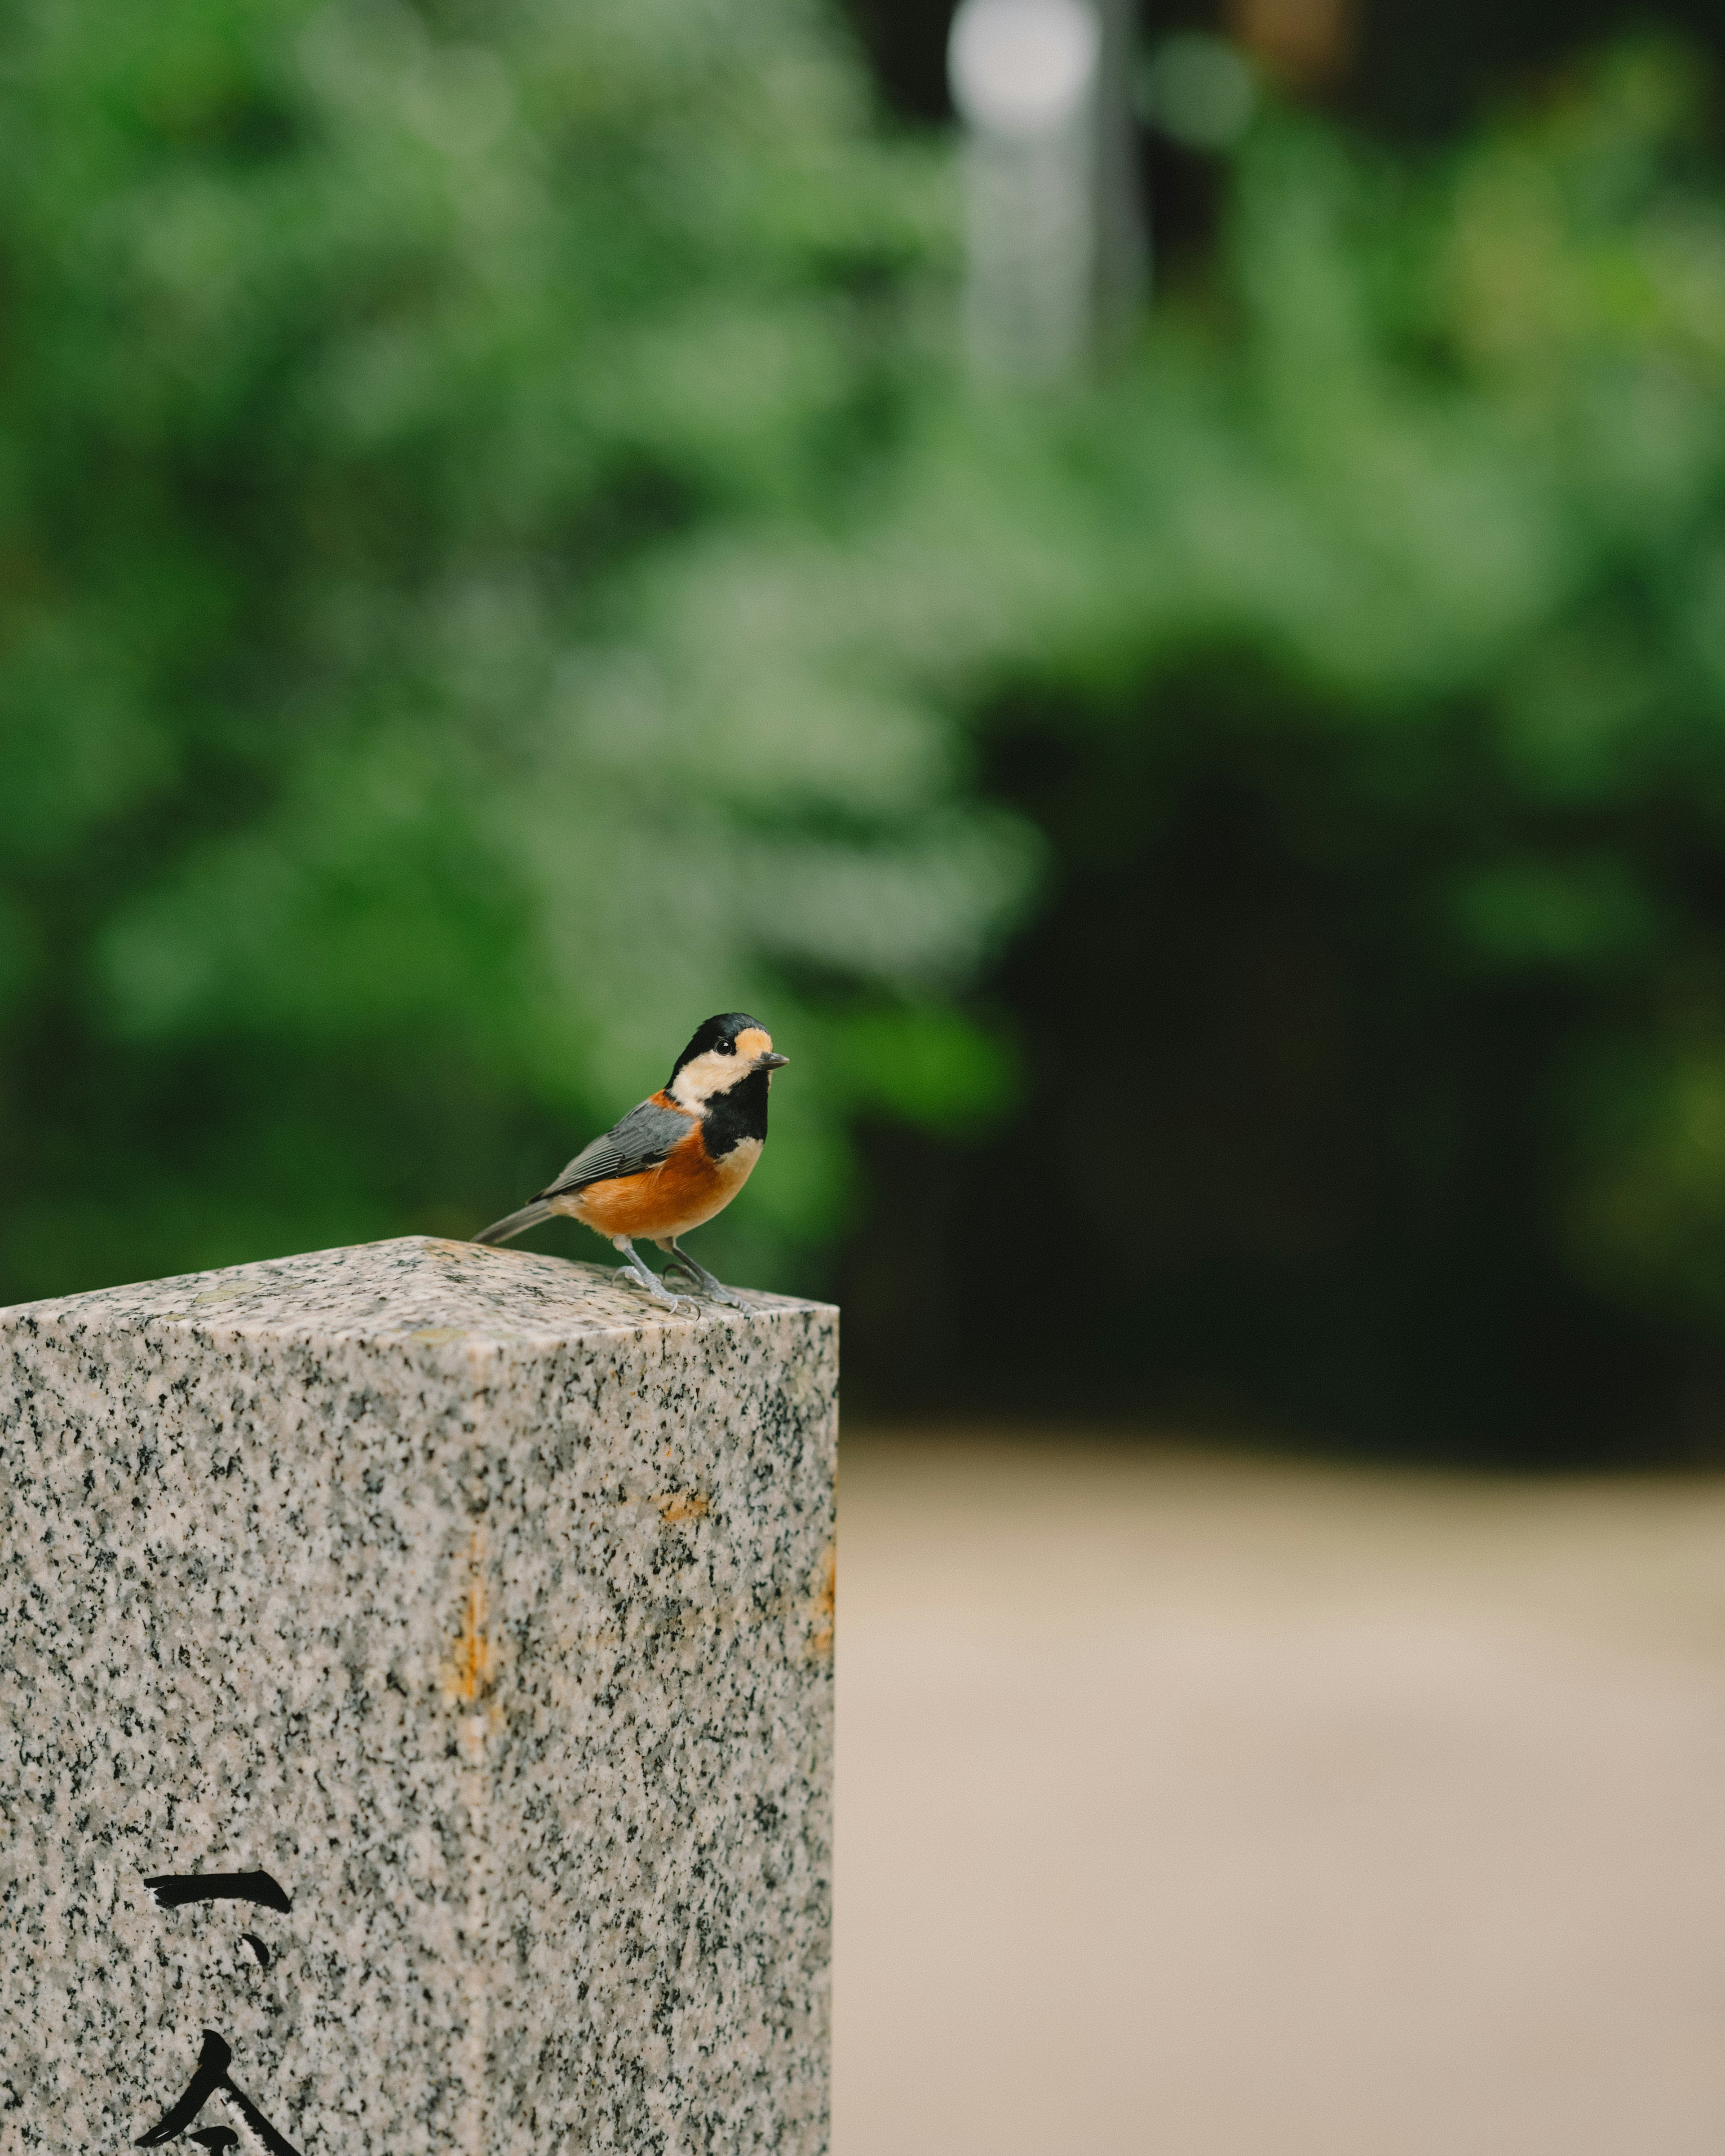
x=642, y=1139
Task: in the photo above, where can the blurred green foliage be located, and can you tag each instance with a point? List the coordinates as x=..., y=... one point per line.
x=408, y=726
x=1409, y=527
x=496, y=561
x=1450, y=468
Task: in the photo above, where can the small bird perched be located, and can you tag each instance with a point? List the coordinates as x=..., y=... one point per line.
x=674, y=1162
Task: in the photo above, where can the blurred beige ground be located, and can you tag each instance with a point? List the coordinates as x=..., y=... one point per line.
x=1213, y=1808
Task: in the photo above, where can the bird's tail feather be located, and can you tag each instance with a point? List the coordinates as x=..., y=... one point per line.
x=515, y=1224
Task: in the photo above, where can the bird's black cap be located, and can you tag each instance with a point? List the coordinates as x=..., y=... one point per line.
x=720, y=1033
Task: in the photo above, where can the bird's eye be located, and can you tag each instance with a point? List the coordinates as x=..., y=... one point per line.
x=727, y=1048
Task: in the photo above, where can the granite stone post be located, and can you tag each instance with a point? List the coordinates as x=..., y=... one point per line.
x=448, y=1633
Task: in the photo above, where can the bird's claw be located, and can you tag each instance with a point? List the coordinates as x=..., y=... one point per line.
x=668, y=1298
x=699, y=1277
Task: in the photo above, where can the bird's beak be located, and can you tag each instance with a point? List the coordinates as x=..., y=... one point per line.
x=771, y=1061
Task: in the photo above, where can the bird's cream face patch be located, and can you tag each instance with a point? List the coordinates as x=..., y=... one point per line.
x=715, y=1072
x=696, y=1082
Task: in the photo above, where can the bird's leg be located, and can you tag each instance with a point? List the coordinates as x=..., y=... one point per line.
x=636, y=1269
x=698, y=1273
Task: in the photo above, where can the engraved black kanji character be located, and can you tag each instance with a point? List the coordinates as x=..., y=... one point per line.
x=174, y=1891
x=213, y=2061
x=171, y=1890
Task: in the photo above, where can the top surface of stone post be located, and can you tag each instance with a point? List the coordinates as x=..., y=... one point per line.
x=484, y=1606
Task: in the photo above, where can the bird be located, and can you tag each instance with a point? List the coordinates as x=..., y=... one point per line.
x=674, y=1162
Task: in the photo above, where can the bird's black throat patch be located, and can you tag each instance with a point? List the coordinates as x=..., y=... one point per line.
x=739, y=1112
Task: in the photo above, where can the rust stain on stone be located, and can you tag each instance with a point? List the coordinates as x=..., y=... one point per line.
x=473, y=1666
x=681, y=1505
x=823, y=1610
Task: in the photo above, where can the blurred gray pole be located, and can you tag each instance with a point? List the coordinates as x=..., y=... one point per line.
x=1025, y=76
x=1122, y=262
x=1054, y=233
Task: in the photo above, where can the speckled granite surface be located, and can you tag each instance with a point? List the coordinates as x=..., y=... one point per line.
x=485, y=1607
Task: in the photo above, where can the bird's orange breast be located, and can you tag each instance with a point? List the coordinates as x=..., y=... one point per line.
x=686, y=1188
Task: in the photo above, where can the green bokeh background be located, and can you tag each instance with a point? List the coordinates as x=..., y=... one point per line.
x=499, y=556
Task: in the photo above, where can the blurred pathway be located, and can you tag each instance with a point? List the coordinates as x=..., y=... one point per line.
x=1214, y=1810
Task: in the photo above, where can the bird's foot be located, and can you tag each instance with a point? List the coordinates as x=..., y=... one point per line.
x=699, y=1276
x=645, y=1278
